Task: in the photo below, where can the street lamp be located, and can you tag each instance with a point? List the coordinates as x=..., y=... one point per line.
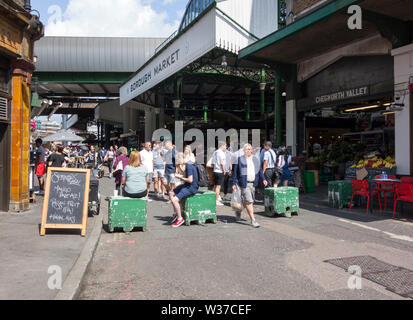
x=224, y=62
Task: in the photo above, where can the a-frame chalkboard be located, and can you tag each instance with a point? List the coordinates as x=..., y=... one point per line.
x=66, y=200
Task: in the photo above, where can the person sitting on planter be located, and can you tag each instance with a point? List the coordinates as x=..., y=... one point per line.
x=135, y=177
x=187, y=189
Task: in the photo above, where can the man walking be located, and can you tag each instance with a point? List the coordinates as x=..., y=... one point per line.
x=159, y=169
x=247, y=173
x=170, y=166
x=269, y=164
x=219, y=170
x=147, y=161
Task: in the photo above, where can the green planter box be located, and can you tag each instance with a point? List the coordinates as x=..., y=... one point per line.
x=283, y=200
x=201, y=208
x=339, y=194
x=127, y=213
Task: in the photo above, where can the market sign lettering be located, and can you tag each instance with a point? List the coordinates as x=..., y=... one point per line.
x=159, y=68
x=342, y=95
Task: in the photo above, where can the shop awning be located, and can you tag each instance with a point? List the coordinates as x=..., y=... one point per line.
x=327, y=28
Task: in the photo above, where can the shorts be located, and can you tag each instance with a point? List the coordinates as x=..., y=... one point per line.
x=271, y=175
x=159, y=173
x=150, y=176
x=286, y=175
x=40, y=169
x=183, y=192
x=219, y=179
x=135, y=195
x=248, y=193
x=169, y=178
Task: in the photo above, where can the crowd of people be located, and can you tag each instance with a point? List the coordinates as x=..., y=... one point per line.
x=175, y=175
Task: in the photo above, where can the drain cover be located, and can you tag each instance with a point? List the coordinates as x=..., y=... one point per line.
x=398, y=281
x=366, y=263
x=395, y=279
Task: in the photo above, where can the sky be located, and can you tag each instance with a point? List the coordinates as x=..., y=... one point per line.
x=110, y=18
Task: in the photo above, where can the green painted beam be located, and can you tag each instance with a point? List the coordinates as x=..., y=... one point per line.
x=82, y=77
x=303, y=23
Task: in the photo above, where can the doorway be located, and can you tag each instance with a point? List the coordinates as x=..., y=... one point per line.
x=4, y=166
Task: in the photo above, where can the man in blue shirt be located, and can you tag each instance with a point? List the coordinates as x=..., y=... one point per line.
x=185, y=190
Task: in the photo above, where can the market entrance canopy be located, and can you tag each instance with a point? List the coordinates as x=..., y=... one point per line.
x=207, y=25
x=327, y=28
x=64, y=136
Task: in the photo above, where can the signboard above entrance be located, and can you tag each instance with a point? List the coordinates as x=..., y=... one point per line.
x=342, y=95
x=196, y=42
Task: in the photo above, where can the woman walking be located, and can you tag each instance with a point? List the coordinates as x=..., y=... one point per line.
x=123, y=158
x=283, y=161
x=110, y=158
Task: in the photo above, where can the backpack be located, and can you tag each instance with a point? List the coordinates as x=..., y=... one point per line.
x=202, y=175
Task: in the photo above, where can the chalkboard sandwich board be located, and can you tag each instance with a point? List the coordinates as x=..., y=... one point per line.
x=66, y=200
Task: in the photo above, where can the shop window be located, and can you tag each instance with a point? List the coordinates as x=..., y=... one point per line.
x=4, y=80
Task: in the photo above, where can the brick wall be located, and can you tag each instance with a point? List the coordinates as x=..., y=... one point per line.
x=300, y=5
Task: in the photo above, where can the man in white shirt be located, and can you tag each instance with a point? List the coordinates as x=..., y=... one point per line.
x=219, y=170
x=147, y=161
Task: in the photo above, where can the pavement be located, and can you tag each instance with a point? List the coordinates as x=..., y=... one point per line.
x=31, y=262
x=284, y=259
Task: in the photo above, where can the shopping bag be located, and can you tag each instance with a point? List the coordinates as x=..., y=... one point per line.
x=119, y=168
x=236, y=201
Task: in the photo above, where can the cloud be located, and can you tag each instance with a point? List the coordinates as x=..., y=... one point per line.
x=108, y=18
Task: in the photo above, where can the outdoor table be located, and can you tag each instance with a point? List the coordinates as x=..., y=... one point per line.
x=373, y=183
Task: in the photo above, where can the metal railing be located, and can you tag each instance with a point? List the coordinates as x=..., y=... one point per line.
x=163, y=44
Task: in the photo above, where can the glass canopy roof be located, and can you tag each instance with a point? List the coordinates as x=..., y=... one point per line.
x=193, y=10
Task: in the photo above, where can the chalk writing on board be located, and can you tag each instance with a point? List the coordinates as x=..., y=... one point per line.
x=69, y=179
x=65, y=205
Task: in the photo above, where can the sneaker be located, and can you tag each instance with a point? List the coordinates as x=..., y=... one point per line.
x=165, y=197
x=219, y=203
x=237, y=216
x=255, y=224
x=220, y=199
x=227, y=198
x=174, y=218
x=149, y=200
x=178, y=223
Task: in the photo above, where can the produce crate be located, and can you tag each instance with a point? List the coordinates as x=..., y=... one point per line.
x=374, y=172
x=127, y=213
x=201, y=208
x=327, y=171
x=351, y=173
x=284, y=200
x=339, y=194
x=309, y=181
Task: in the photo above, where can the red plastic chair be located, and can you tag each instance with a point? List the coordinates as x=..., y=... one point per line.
x=361, y=188
x=386, y=190
x=404, y=192
x=407, y=179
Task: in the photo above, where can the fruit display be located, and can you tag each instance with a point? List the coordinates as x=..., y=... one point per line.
x=376, y=163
